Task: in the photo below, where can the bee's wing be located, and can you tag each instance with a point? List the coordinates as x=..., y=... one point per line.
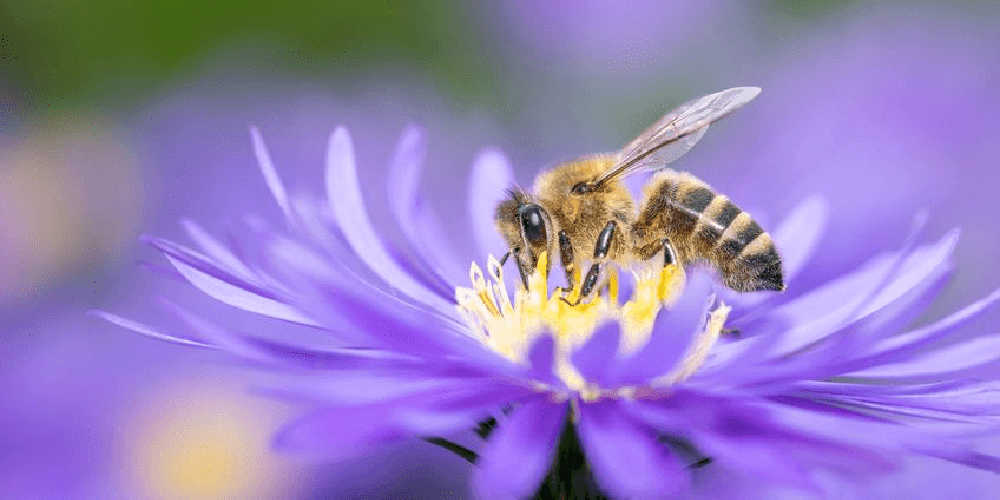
x=677, y=132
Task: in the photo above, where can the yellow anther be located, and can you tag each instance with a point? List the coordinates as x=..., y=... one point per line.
x=613, y=286
x=510, y=327
x=539, y=281
x=670, y=284
x=698, y=352
x=488, y=301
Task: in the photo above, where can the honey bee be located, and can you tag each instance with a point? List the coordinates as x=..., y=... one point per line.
x=582, y=211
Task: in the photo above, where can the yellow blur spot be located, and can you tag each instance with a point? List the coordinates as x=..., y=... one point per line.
x=204, y=445
x=69, y=197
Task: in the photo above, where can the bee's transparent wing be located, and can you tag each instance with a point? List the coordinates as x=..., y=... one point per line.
x=677, y=132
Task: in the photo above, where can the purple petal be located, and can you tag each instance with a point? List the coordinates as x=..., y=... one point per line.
x=896, y=315
x=436, y=244
x=765, y=460
x=796, y=239
x=491, y=175
x=541, y=358
x=915, y=269
x=520, y=452
x=404, y=176
x=407, y=206
x=239, y=297
x=799, y=233
x=856, y=429
x=204, y=265
x=904, y=300
x=270, y=173
x=940, y=362
x=342, y=431
x=345, y=198
x=672, y=334
x=216, y=250
x=747, y=436
x=356, y=388
x=226, y=287
x=840, y=424
x=338, y=433
x=965, y=457
x=834, y=357
x=338, y=303
x=750, y=437
x=267, y=351
x=901, y=345
x=595, y=358
x=811, y=314
x=627, y=460
x=330, y=261
x=146, y=330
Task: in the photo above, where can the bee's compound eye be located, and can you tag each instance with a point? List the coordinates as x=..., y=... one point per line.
x=581, y=188
x=533, y=224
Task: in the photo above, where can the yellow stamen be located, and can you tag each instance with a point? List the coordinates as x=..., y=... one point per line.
x=510, y=327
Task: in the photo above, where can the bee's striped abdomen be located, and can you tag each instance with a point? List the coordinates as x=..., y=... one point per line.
x=702, y=224
x=747, y=257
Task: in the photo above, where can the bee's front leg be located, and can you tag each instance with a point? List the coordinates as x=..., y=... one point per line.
x=600, y=256
x=520, y=265
x=566, y=257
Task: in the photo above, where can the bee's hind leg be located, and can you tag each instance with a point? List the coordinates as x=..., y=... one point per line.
x=600, y=256
x=669, y=254
x=672, y=273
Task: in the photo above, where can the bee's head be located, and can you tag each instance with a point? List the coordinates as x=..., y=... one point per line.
x=525, y=226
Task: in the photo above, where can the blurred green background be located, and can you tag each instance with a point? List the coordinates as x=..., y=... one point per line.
x=63, y=55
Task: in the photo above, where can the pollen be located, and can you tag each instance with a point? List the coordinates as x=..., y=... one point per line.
x=510, y=325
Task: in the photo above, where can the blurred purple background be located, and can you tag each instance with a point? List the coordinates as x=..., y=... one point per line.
x=108, y=132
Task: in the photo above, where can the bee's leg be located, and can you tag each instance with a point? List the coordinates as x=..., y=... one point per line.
x=672, y=276
x=520, y=266
x=600, y=256
x=566, y=256
x=669, y=254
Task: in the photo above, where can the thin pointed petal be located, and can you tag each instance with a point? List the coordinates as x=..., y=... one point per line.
x=270, y=173
x=345, y=198
x=491, y=176
x=145, y=330
x=799, y=233
x=236, y=296
x=215, y=249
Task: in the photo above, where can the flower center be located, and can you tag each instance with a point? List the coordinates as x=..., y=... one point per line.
x=509, y=327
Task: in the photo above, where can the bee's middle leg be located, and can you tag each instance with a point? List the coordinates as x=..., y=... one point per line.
x=600, y=256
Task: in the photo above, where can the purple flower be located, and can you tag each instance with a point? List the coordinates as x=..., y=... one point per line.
x=661, y=385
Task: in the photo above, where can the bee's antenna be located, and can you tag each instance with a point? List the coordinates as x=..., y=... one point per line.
x=517, y=194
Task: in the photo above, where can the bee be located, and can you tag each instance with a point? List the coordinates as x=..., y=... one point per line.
x=582, y=211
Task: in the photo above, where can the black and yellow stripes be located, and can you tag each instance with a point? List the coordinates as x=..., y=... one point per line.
x=704, y=225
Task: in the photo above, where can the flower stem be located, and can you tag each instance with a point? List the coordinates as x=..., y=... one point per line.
x=570, y=475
